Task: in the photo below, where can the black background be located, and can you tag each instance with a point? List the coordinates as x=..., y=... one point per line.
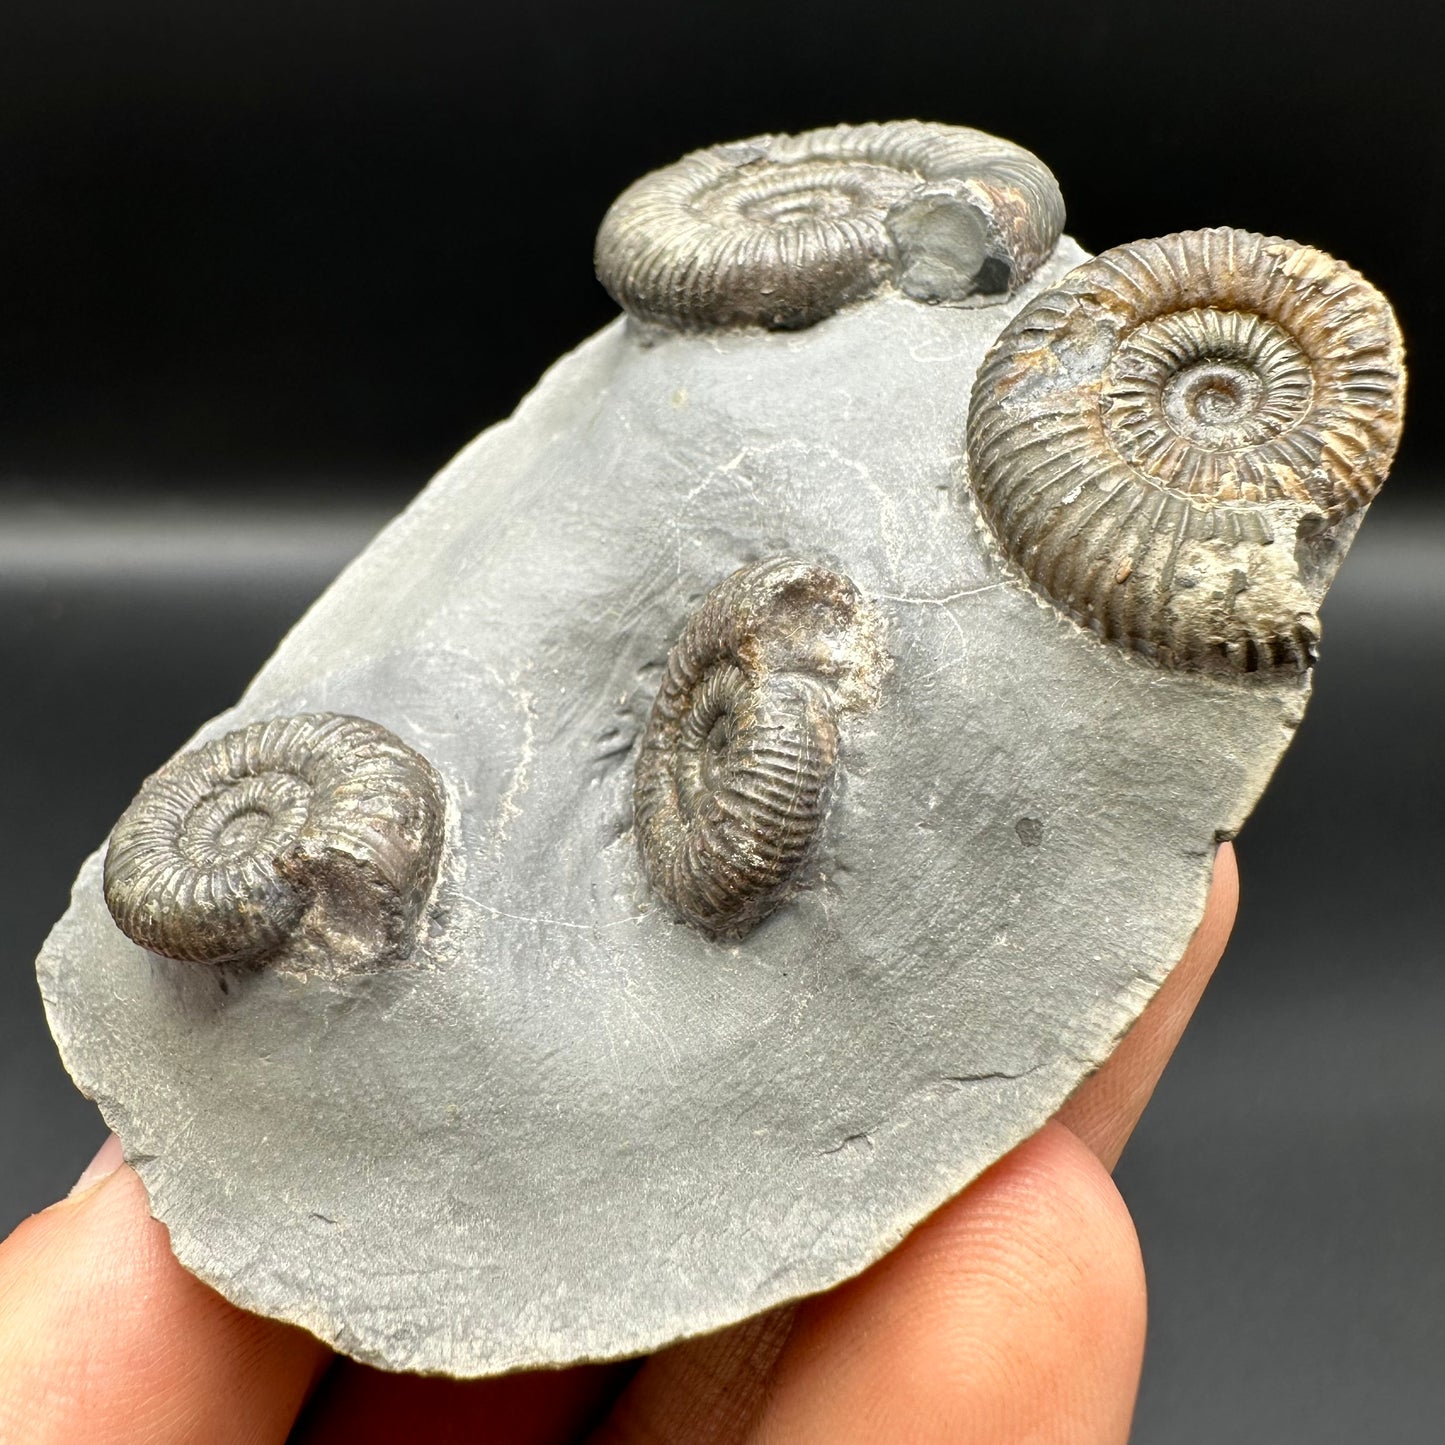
x=264, y=267
x=290, y=237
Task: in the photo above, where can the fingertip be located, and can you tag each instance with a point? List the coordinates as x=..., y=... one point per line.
x=103, y=1336
x=108, y=1159
x=1050, y=1199
x=1015, y=1313
x=1222, y=905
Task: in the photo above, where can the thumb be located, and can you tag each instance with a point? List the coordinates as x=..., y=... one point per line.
x=105, y=1338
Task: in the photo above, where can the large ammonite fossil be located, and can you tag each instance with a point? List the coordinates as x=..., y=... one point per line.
x=1156, y=439
x=780, y=231
x=740, y=754
x=226, y=850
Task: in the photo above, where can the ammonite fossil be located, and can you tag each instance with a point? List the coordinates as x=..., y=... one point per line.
x=778, y=903
x=318, y=824
x=1157, y=439
x=739, y=755
x=781, y=231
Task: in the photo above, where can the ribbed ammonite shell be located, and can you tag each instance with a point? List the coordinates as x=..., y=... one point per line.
x=781, y=231
x=741, y=750
x=320, y=825
x=1155, y=439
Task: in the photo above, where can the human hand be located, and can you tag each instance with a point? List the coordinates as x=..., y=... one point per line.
x=1014, y=1313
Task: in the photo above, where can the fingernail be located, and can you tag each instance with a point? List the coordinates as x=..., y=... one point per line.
x=106, y=1162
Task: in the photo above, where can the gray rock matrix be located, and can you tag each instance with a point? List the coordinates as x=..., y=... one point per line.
x=580, y=1116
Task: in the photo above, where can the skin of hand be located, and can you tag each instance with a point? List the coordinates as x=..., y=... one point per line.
x=1013, y=1314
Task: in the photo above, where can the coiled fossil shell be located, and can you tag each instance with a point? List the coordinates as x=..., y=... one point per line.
x=781, y=231
x=606, y=1120
x=741, y=748
x=1157, y=440
x=321, y=825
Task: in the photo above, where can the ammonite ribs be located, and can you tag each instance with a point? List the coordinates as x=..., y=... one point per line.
x=781, y=231
x=1150, y=439
x=742, y=747
x=227, y=848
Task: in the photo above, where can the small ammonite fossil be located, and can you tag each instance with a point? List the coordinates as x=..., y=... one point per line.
x=1156, y=440
x=320, y=827
x=780, y=231
x=741, y=750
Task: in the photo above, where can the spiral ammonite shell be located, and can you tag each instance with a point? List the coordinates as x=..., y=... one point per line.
x=781, y=231
x=229, y=850
x=741, y=749
x=1153, y=438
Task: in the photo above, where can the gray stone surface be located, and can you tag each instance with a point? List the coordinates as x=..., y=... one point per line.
x=574, y=1127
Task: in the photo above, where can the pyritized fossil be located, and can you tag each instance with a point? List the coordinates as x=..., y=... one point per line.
x=780, y=231
x=738, y=761
x=933, y=845
x=1158, y=440
x=319, y=828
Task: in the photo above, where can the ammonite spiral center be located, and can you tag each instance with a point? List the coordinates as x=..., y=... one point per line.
x=784, y=195
x=241, y=833
x=249, y=816
x=1206, y=401
x=706, y=737
x=714, y=757
x=1199, y=383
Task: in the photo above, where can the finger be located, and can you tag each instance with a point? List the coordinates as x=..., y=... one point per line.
x=708, y=1391
x=1015, y=1313
x=704, y=1391
x=731, y=1370
x=356, y=1405
x=105, y=1338
x=1105, y=1108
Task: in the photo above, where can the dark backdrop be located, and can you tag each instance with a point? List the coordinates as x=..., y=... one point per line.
x=263, y=267
x=292, y=236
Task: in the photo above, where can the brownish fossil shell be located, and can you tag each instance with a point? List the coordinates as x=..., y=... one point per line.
x=1155, y=440
x=320, y=825
x=780, y=231
x=741, y=750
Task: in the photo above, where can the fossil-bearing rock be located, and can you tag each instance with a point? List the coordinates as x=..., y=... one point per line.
x=802, y=851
